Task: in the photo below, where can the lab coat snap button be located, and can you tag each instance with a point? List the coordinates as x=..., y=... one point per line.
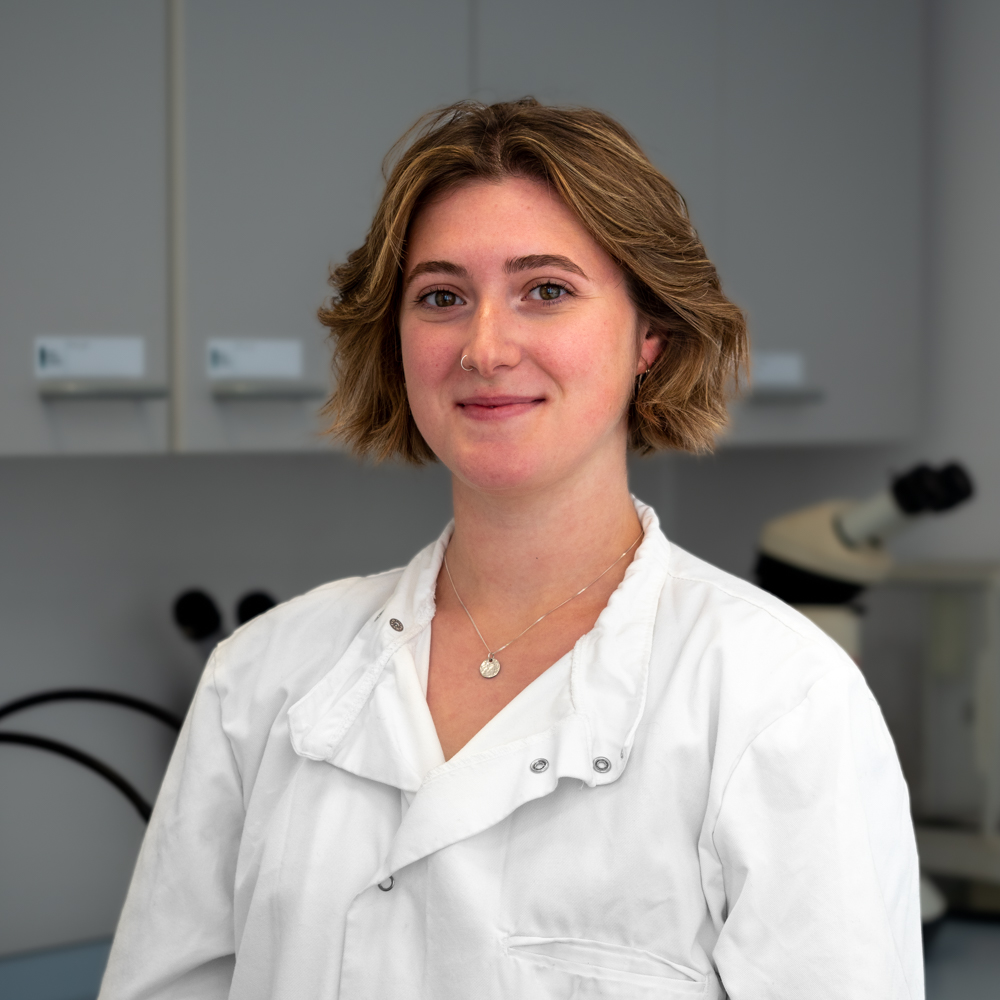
x=539, y=765
x=396, y=624
x=387, y=884
x=602, y=765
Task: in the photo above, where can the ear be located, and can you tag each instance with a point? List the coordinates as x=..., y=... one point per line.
x=651, y=343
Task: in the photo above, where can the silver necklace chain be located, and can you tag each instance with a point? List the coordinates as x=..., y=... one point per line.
x=490, y=667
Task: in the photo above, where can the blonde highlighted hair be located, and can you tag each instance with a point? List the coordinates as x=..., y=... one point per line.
x=629, y=208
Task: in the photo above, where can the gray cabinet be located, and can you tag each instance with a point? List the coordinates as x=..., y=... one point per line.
x=821, y=208
x=83, y=282
x=652, y=64
x=289, y=111
x=793, y=130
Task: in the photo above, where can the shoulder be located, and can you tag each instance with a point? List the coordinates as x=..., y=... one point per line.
x=700, y=590
x=279, y=656
x=741, y=655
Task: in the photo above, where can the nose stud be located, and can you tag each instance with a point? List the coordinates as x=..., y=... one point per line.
x=462, y=363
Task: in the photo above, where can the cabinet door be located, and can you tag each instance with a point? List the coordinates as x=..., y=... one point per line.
x=289, y=110
x=82, y=226
x=651, y=64
x=820, y=203
x=793, y=130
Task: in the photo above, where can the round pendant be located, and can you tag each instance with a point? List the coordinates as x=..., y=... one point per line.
x=490, y=667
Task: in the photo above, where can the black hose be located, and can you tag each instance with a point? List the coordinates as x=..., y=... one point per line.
x=142, y=807
x=90, y=694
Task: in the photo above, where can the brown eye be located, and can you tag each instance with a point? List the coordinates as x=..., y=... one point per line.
x=550, y=292
x=445, y=299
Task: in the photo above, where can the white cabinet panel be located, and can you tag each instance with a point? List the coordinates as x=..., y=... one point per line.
x=289, y=111
x=82, y=224
x=820, y=205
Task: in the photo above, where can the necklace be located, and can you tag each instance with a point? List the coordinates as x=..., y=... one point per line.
x=490, y=667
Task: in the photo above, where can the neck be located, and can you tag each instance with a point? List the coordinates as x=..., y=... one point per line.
x=531, y=549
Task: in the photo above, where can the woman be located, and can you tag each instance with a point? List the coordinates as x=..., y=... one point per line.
x=555, y=756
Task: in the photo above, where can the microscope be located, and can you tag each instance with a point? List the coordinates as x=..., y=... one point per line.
x=821, y=558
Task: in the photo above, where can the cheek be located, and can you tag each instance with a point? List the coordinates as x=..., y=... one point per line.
x=427, y=365
x=594, y=362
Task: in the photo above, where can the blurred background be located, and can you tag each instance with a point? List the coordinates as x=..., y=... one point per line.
x=176, y=179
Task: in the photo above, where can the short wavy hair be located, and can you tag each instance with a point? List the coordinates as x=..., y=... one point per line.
x=629, y=208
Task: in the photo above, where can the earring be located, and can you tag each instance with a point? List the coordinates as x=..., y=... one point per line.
x=462, y=363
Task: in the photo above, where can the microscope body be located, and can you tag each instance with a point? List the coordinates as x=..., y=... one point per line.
x=821, y=558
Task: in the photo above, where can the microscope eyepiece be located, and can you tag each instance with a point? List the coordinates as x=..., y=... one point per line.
x=957, y=484
x=926, y=489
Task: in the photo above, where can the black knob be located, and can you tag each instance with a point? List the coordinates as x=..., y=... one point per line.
x=253, y=604
x=197, y=615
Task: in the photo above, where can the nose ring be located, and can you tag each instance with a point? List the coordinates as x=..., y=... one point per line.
x=462, y=363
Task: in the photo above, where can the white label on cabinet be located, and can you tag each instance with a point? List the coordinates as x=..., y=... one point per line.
x=236, y=358
x=81, y=356
x=777, y=370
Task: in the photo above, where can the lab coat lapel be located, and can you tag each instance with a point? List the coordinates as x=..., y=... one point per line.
x=361, y=717
x=608, y=680
x=465, y=796
x=611, y=662
x=357, y=717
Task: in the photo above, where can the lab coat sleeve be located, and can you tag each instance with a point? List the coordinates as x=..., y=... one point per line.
x=175, y=937
x=818, y=857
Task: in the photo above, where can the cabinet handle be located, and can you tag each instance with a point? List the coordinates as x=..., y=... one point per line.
x=792, y=394
x=94, y=388
x=266, y=389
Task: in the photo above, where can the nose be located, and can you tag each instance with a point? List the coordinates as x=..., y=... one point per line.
x=491, y=345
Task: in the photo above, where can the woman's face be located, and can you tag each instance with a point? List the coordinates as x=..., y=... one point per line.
x=502, y=279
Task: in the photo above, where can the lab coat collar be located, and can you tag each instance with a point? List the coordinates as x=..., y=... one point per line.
x=360, y=717
x=356, y=717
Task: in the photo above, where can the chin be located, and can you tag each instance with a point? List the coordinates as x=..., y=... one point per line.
x=497, y=469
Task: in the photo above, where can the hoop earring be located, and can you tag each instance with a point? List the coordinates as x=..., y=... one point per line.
x=641, y=378
x=462, y=363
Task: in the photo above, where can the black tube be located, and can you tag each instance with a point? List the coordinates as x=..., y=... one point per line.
x=91, y=694
x=142, y=807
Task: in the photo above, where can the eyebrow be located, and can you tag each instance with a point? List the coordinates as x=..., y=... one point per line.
x=437, y=267
x=512, y=266
x=536, y=260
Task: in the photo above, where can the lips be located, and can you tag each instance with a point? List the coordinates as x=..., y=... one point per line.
x=497, y=407
x=492, y=402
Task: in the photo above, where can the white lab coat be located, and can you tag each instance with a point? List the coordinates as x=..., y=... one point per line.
x=707, y=804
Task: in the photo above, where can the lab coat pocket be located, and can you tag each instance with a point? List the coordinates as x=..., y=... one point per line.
x=574, y=967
